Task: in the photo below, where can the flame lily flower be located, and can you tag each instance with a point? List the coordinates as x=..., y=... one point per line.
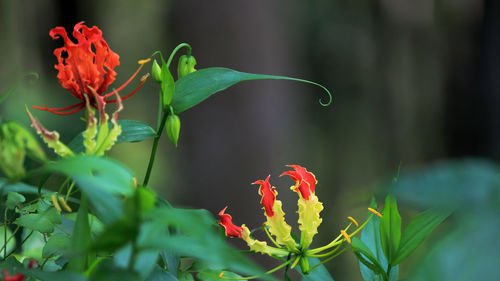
x=87, y=67
x=275, y=215
x=244, y=233
x=309, y=209
x=308, y=203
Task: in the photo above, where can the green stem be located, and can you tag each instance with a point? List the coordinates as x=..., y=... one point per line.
x=270, y=237
x=62, y=185
x=325, y=254
x=69, y=191
x=328, y=259
x=12, y=236
x=5, y=234
x=329, y=245
x=153, y=151
x=20, y=245
x=257, y=276
x=181, y=45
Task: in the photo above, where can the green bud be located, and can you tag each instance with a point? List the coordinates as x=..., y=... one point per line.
x=173, y=127
x=156, y=72
x=186, y=66
x=304, y=265
x=167, y=86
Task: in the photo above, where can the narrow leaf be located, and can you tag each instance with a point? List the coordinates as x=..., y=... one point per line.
x=80, y=238
x=361, y=248
x=390, y=228
x=194, y=88
x=418, y=229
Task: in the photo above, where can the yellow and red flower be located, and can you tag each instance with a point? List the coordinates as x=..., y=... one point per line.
x=86, y=68
x=309, y=219
x=308, y=203
x=275, y=215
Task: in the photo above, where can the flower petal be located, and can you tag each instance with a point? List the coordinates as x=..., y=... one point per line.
x=226, y=221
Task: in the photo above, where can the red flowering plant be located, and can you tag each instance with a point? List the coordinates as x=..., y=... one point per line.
x=86, y=68
x=98, y=223
x=279, y=232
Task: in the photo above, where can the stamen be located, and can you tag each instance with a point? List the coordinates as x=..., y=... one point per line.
x=346, y=236
x=141, y=62
x=55, y=203
x=129, y=95
x=65, y=205
x=134, y=181
x=221, y=274
x=353, y=221
x=375, y=212
x=124, y=84
x=144, y=77
x=79, y=106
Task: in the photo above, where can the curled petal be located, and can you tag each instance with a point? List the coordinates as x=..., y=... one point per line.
x=305, y=182
x=50, y=138
x=268, y=194
x=231, y=229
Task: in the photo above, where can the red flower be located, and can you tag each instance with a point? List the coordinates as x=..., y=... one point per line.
x=8, y=277
x=231, y=229
x=86, y=68
x=305, y=182
x=268, y=194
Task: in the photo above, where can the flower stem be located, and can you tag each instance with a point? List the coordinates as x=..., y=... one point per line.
x=257, y=276
x=329, y=245
x=270, y=237
x=181, y=45
x=328, y=259
x=155, y=147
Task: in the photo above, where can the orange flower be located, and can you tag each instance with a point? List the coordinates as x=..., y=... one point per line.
x=86, y=68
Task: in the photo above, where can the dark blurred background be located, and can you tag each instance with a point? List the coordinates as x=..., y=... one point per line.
x=413, y=82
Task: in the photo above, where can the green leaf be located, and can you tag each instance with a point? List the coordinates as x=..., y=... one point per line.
x=13, y=266
x=14, y=199
x=132, y=131
x=167, y=85
x=196, y=238
x=160, y=274
x=80, y=240
x=418, y=229
x=100, y=179
x=185, y=276
x=213, y=275
x=361, y=248
x=115, y=236
x=56, y=245
x=194, y=88
x=43, y=222
x=318, y=274
x=370, y=235
x=19, y=187
x=107, y=271
x=390, y=228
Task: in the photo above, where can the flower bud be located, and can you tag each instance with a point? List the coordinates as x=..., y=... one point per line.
x=186, y=66
x=304, y=265
x=173, y=127
x=156, y=72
